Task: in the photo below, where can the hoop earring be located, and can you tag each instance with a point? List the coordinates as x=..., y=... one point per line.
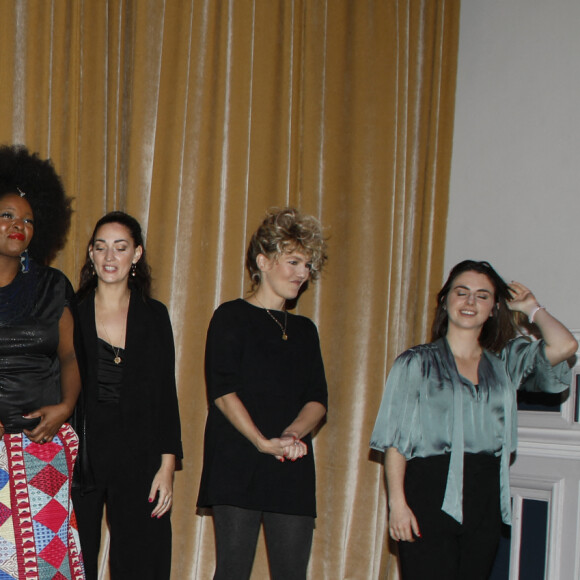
x=25, y=262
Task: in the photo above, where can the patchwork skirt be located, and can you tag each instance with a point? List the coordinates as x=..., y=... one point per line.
x=38, y=532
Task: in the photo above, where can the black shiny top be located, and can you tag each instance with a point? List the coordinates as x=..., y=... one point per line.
x=30, y=310
x=110, y=374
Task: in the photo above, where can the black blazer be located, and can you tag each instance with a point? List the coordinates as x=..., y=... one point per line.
x=148, y=400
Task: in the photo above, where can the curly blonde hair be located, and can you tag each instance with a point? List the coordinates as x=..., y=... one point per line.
x=283, y=231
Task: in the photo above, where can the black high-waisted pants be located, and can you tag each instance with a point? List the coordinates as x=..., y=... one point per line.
x=447, y=549
x=140, y=545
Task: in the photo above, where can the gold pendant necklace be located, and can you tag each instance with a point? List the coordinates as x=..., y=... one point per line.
x=282, y=328
x=117, y=360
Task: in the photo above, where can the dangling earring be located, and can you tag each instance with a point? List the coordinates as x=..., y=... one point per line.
x=92, y=268
x=133, y=269
x=24, y=262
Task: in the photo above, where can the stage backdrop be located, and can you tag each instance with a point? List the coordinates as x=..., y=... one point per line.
x=197, y=115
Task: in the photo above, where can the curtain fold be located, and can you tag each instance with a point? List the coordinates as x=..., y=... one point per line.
x=196, y=116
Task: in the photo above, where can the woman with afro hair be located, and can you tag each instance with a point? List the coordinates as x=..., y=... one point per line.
x=39, y=377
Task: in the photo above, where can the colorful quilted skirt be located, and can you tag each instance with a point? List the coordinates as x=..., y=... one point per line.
x=38, y=535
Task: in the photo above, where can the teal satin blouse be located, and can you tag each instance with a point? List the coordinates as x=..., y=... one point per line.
x=429, y=409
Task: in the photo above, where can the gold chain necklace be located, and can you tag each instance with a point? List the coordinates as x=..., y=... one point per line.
x=117, y=360
x=282, y=328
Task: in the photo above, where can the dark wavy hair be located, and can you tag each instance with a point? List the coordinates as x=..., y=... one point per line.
x=24, y=172
x=498, y=329
x=142, y=279
x=287, y=230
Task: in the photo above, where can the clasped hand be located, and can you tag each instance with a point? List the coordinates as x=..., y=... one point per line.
x=286, y=446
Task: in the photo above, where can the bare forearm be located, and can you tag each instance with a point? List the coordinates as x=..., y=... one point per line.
x=308, y=418
x=167, y=462
x=237, y=414
x=560, y=343
x=70, y=383
x=395, y=467
x=70, y=378
x=403, y=524
x=280, y=447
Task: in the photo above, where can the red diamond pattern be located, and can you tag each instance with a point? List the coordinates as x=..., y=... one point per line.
x=48, y=480
x=59, y=576
x=52, y=515
x=54, y=553
x=5, y=513
x=45, y=452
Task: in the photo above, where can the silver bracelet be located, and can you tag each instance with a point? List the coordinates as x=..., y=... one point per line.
x=534, y=312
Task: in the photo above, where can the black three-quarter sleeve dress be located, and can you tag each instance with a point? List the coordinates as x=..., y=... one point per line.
x=274, y=379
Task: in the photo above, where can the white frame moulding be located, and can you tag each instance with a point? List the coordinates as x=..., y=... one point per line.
x=551, y=435
x=545, y=489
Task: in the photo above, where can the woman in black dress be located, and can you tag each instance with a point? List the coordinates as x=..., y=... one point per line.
x=39, y=377
x=128, y=413
x=267, y=392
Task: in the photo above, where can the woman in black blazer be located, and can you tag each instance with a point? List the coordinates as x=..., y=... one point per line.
x=127, y=416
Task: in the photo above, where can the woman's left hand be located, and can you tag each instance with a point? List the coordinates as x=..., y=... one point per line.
x=162, y=487
x=560, y=344
x=294, y=448
x=522, y=299
x=52, y=418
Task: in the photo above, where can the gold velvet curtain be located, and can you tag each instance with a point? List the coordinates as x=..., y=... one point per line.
x=197, y=115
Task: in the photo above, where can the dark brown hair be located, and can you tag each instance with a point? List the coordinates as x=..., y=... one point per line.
x=142, y=279
x=498, y=329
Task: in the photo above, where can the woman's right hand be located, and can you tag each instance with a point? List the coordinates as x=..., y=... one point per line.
x=403, y=524
x=279, y=447
x=296, y=448
x=52, y=418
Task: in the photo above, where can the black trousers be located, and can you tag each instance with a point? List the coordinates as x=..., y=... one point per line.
x=140, y=546
x=288, y=542
x=447, y=549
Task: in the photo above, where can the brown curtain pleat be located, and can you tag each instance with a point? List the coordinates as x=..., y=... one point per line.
x=196, y=116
